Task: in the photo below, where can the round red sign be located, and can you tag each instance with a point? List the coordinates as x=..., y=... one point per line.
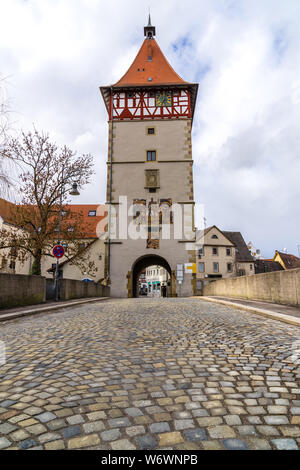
x=58, y=251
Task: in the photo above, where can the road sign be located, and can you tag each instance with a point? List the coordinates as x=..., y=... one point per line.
x=190, y=268
x=179, y=272
x=58, y=251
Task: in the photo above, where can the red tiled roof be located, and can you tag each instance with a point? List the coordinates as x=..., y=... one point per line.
x=6, y=209
x=158, y=69
x=289, y=261
x=90, y=223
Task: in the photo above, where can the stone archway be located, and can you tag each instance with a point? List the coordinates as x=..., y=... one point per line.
x=144, y=262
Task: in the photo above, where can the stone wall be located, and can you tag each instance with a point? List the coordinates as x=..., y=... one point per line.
x=281, y=287
x=19, y=289
x=72, y=289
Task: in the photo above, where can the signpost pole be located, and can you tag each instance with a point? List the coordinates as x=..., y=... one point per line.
x=58, y=238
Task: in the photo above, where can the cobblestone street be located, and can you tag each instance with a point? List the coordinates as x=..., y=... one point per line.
x=150, y=374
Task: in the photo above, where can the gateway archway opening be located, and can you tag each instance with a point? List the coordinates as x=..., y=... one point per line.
x=155, y=270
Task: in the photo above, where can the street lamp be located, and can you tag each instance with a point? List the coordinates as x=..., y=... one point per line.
x=74, y=192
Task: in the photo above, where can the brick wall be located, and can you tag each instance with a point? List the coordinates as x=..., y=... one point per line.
x=281, y=287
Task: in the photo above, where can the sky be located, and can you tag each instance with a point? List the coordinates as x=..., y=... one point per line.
x=243, y=53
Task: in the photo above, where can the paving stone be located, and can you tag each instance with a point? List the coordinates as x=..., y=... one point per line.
x=119, y=422
x=233, y=420
x=146, y=442
x=268, y=430
x=195, y=435
x=221, y=432
x=285, y=444
x=6, y=428
x=122, y=444
x=258, y=443
x=49, y=436
x=71, y=431
x=111, y=435
x=212, y=445
x=170, y=438
x=246, y=430
x=133, y=412
x=85, y=441
x=55, y=445
x=276, y=420
x=23, y=445
x=4, y=443
x=235, y=444
x=76, y=419
x=135, y=431
x=94, y=426
x=45, y=417
x=159, y=427
x=19, y=435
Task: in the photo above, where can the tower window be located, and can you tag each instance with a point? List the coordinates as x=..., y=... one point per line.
x=150, y=130
x=151, y=155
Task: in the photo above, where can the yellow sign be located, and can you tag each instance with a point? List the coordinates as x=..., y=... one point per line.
x=190, y=268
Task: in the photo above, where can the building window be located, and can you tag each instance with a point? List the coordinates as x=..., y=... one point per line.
x=150, y=130
x=201, y=267
x=151, y=155
x=92, y=213
x=228, y=251
x=229, y=267
x=214, y=237
x=215, y=251
x=251, y=267
x=200, y=252
x=216, y=267
x=71, y=229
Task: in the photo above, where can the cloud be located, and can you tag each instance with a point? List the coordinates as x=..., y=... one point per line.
x=245, y=56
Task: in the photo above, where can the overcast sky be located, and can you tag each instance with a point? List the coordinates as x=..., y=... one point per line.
x=243, y=53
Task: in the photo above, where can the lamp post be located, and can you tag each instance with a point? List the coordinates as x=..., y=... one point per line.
x=74, y=192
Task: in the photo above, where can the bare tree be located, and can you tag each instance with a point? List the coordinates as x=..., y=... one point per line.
x=47, y=175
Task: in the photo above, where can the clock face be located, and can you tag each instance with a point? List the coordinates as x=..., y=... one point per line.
x=163, y=99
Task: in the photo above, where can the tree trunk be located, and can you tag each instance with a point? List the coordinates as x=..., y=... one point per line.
x=36, y=265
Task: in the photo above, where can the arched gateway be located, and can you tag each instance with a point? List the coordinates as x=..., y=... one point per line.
x=144, y=262
x=150, y=167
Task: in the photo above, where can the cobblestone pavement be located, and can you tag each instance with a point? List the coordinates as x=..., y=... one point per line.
x=150, y=374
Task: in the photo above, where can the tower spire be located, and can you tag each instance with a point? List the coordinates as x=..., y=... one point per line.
x=149, y=30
